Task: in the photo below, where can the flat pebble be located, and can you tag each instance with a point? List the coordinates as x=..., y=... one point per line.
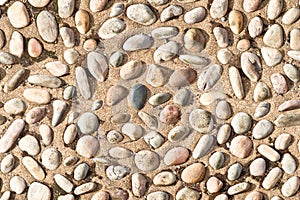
x=116, y=59
x=29, y=144
x=68, y=36
x=157, y=75
x=87, y=146
x=7, y=163
x=45, y=80
x=201, y=120
x=111, y=28
x=138, y=96
x=149, y=120
x=46, y=133
x=291, y=72
x=170, y=114
x=119, y=152
x=289, y=105
x=115, y=94
x=118, y=193
x=236, y=21
x=287, y=120
x=251, y=65
x=224, y=133
x=90, y=45
x=71, y=56
x=47, y=26
x=85, y=188
x=154, y=139
x=65, y=8
x=221, y=35
x=38, y=3
x=291, y=186
x=288, y=163
x=7, y=58
x=98, y=6
x=279, y=83
x=262, y=109
x=138, y=42
x=218, y=8
x=241, y=146
x=82, y=21
x=271, y=56
x=117, y=9
x=17, y=184
x=34, y=169
x=133, y=131
x=117, y=172
x=241, y=123
x=164, y=32
x=66, y=197
x=101, y=195
x=5, y=195
x=188, y=193
x=243, y=45
x=262, y=129
x=69, y=92
x=251, y=5
x=59, y=109
x=216, y=160
x=238, y=188
x=258, y=167
x=18, y=15
x=51, y=158
x=182, y=77
x=14, y=106
x=34, y=48
x=139, y=184
x=204, y=146
x=294, y=54
x=194, y=60
x=38, y=190
x=114, y=136
x=178, y=133
x=261, y=92
x=282, y=141
x=193, y=173
x=182, y=97
x=16, y=44
x=36, y=95
x=224, y=56
x=214, y=185
x=88, y=123
x=176, y=156
x=57, y=68
x=291, y=16
x=15, y=80
x=161, y=195
x=236, y=82
x=164, y=178
x=209, y=77
x=272, y=178
x=63, y=183
x=146, y=160
x=195, y=15
x=194, y=40
x=294, y=39
x=268, y=152
x=132, y=70
x=170, y=12
x=223, y=110
x=70, y=161
x=274, y=36
x=166, y=52
x=274, y=9
x=134, y=11
x=234, y=171
x=255, y=195
x=159, y=99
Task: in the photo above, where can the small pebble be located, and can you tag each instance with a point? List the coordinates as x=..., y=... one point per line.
x=36, y=95
x=111, y=28
x=178, y=133
x=7, y=163
x=117, y=9
x=82, y=21
x=272, y=178
x=182, y=77
x=214, y=185
x=251, y=65
x=164, y=178
x=216, y=160
x=224, y=133
x=97, y=6
x=149, y=120
x=88, y=123
x=114, y=136
x=159, y=99
x=29, y=144
x=218, y=8
x=119, y=152
x=17, y=184
x=90, y=45
x=194, y=40
x=154, y=139
x=223, y=110
x=209, y=77
x=262, y=109
x=161, y=195
x=268, y=152
x=238, y=188
x=288, y=163
x=115, y=94
x=251, y=5
x=187, y=193
x=132, y=70
x=158, y=76
x=243, y=45
x=133, y=131
x=101, y=195
x=134, y=11
x=195, y=15
x=118, y=193
x=234, y=171
x=68, y=36
x=279, y=83
x=261, y=92
x=221, y=35
x=291, y=72
x=271, y=56
x=16, y=44
x=35, y=48
x=139, y=184
x=116, y=59
x=201, y=120
x=283, y=141
x=170, y=114
x=241, y=123
x=71, y=56
x=80, y=171
x=65, y=8
x=291, y=186
x=236, y=82
x=85, y=188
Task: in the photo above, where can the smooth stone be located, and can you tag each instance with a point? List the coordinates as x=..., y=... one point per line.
x=70, y=161
x=36, y=95
x=87, y=146
x=59, y=109
x=251, y=65
x=221, y=197
x=69, y=92
x=119, y=152
x=7, y=163
x=241, y=123
x=201, y=120
x=85, y=188
x=166, y=52
x=114, y=136
x=209, y=77
x=6, y=195
x=154, y=139
x=214, y=185
x=251, y=5
x=46, y=134
x=262, y=129
x=216, y=160
x=38, y=191
x=221, y=35
x=133, y=131
x=15, y=80
x=292, y=72
x=16, y=44
x=294, y=39
x=149, y=120
x=30, y=145
x=182, y=97
x=243, y=45
x=178, y=133
x=51, y=158
x=170, y=12
x=224, y=56
x=138, y=42
x=268, y=152
x=236, y=82
x=65, y=8
x=115, y=94
x=7, y=58
x=294, y=54
x=70, y=134
x=111, y=28
x=195, y=15
x=2, y=39
x=17, y=184
x=72, y=117
x=262, y=109
x=34, y=48
x=146, y=160
x=66, y=197
x=57, y=68
x=279, y=83
x=289, y=105
x=68, y=36
x=164, y=178
x=139, y=184
x=98, y=6
x=82, y=21
x=276, y=198
x=261, y=92
x=182, y=77
x=194, y=60
x=287, y=120
x=223, y=110
x=38, y=3
x=236, y=21
x=176, y=156
x=90, y=45
x=157, y=75
x=188, y=193
x=205, y=144
x=218, y=8
x=238, y=188
x=288, y=163
x=291, y=186
x=170, y=114
x=14, y=106
x=224, y=133
x=138, y=96
x=283, y=141
x=88, y=123
x=33, y=168
x=116, y=59
x=274, y=36
x=234, y=171
x=117, y=9
x=45, y=80
x=97, y=104
x=274, y=9
x=193, y=173
x=272, y=178
x=47, y=26
x=63, y=183
x=18, y=15
x=101, y=195
x=291, y=16
x=271, y=56
x=80, y=171
x=164, y=32
x=159, y=99
x=194, y=40
x=158, y=195
x=71, y=56
x=134, y=11
x=258, y=167
x=118, y=194
x=132, y=70
x=11, y=135
x=241, y=146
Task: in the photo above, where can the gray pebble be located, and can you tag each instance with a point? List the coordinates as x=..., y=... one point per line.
x=134, y=12
x=255, y=27
x=221, y=35
x=291, y=186
x=45, y=80
x=188, y=193
x=97, y=65
x=201, y=120
x=288, y=163
x=218, y=8
x=114, y=136
x=287, y=120
x=133, y=131
x=154, y=139
x=70, y=161
x=170, y=12
x=38, y=190
x=71, y=56
x=72, y=117
x=194, y=60
x=195, y=15
x=262, y=109
x=159, y=99
x=116, y=59
x=146, y=160
x=68, y=37
x=117, y=9
x=88, y=123
x=2, y=39
x=120, y=118
x=291, y=72
x=97, y=104
x=283, y=141
x=238, y=188
x=261, y=92
x=63, y=183
x=149, y=120
x=209, y=77
x=258, y=167
x=204, y=146
x=7, y=58
x=178, y=133
x=241, y=123
x=69, y=92
x=157, y=2
x=216, y=160
x=223, y=110
x=117, y=172
x=271, y=56
x=166, y=52
x=47, y=26
x=138, y=42
x=164, y=32
x=80, y=171
x=158, y=195
x=119, y=152
x=138, y=96
x=291, y=16
x=139, y=184
x=14, y=106
x=182, y=97
x=157, y=75
x=132, y=70
x=65, y=8
x=83, y=83
x=234, y=171
x=7, y=163
x=51, y=158
x=111, y=28
x=262, y=129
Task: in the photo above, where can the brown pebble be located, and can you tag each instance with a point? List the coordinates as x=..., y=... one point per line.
x=34, y=48
x=236, y=21
x=214, y=184
x=243, y=45
x=183, y=77
x=241, y=146
x=194, y=173
x=170, y=114
x=176, y=156
x=90, y=45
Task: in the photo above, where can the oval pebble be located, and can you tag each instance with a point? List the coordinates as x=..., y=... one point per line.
x=81, y=171
x=85, y=188
x=262, y=129
x=268, y=152
x=134, y=11
x=170, y=114
x=38, y=190
x=146, y=160
x=218, y=8
x=204, y=146
x=63, y=183
x=47, y=26
x=274, y=8
x=279, y=83
x=34, y=169
x=138, y=42
x=195, y=15
x=51, y=158
x=282, y=141
x=87, y=146
x=29, y=144
x=36, y=95
x=216, y=160
x=17, y=184
x=291, y=72
x=291, y=186
x=262, y=109
x=154, y=139
x=176, y=156
x=132, y=70
x=214, y=185
x=119, y=152
x=111, y=28
x=18, y=15
x=82, y=21
x=201, y=120
x=170, y=12
x=133, y=131
x=161, y=195
x=164, y=178
x=224, y=133
x=7, y=163
x=14, y=106
x=238, y=188
x=139, y=184
x=272, y=178
x=241, y=123
x=258, y=167
x=291, y=16
x=193, y=173
x=288, y=163
x=187, y=193
x=241, y=146
x=234, y=171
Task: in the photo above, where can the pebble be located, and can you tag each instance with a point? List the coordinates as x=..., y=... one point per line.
x=66, y=197
x=243, y=45
x=45, y=80
x=134, y=11
x=15, y=106
x=166, y=52
x=138, y=42
x=47, y=26
x=72, y=117
x=291, y=72
x=35, y=48
x=18, y=15
x=117, y=9
x=88, y=123
x=274, y=9
x=117, y=172
x=17, y=184
x=204, y=146
x=111, y=28
x=38, y=3
x=115, y=94
x=176, y=156
x=57, y=68
x=11, y=135
x=146, y=160
x=289, y=105
x=71, y=56
x=241, y=123
x=241, y=146
x=16, y=44
x=46, y=134
x=221, y=197
x=288, y=163
x=238, y=188
x=97, y=6
x=68, y=36
x=138, y=96
x=30, y=145
x=119, y=152
x=287, y=120
x=258, y=167
x=209, y=77
x=149, y=120
x=193, y=173
x=283, y=141
x=139, y=184
x=101, y=195
x=70, y=161
x=157, y=2
x=158, y=195
x=255, y=27
x=272, y=178
x=182, y=97
x=159, y=99
x=251, y=65
x=214, y=185
x=251, y=5
x=7, y=58
x=271, y=56
x=118, y=193
x=157, y=75
x=51, y=158
x=170, y=12
x=201, y=120
x=2, y=39
x=195, y=15
x=294, y=54
x=2, y=119
x=262, y=109
x=133, y=131
x=132, y=70
x=85, y=188
x=90, y=45
x=218, y=8
x=279, y=83
x=291, y=186
x=63, y=183
x=65, y=8
x=97, y=104
x=114, y=136
x=194, y=40
x=120, y=118
x=87, y=146
x=178, y=133
x=38, y=190
x=294, y=39
x=59, y=108
x=182, y=77
x=69, y=92
x=194, y=60
x=164, y=178
x=268, y=152
x=236, y=21
x=164, y=32
x=170, y=114
x=262, y=129
x=33, y=168
x=116, y=59
x=223, y=110
x=276, y=198
x=224, y=56
x=291, y=16
x=221, y=35
x=36, y=95
x=216, y=160
x=154, y=139
x=82, y=21
x=236, y=82
x=188, y=193
x=234, y=171
x=224, y=133
x=274, y=36
x=5, y=195
x=7, y=163
x=261, y=92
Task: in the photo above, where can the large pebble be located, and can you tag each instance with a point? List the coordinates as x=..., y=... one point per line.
x=51, y=158
x=170, y=12
x=209, y=77
x=47, y=26
x=218, y=8
x=288, y=163
x=288, y=120
x=115, y=94
x=63, y=183
x=17, y=184
x=18, y=15
x=236, y=21
x=157, y=75
x=262, y=109
x=111, y=28
x=176, y=156
x=97, y=65
x=138, y=42
x=291, y=186
x=141, y=13
x=68, y=36
x=274, y=8
x=234, y=171
x=258, y=167
x=117, y=172
x=132, y=70
x=223, y=110
x=138, y=96
x=193, y=173
x=88, y=123
x=182, y=77
x=29, y=144
x=33, y=168
x=87, y=146
x=45, y=80
x=139, y=184
x=272, y=178
x=149, y=120
x=268, y=152
x=291, y=16
x=241, y=146
x=36, y=95
x=216, y=160
x=164, y=178
x=251, y=65
x=38, y=191
x=164, y=32
x=262, y=129
x=204, y=146
x=201, y=120
x=57, y=68
x=166, y=52
x=146, y=160
x=274, y=36
x=195, y=15
x=154, y=139
x=241, y=123
x=16, y=44
x=194, y=40
x=133, y=131
x=221, y=35
x=251, y=5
